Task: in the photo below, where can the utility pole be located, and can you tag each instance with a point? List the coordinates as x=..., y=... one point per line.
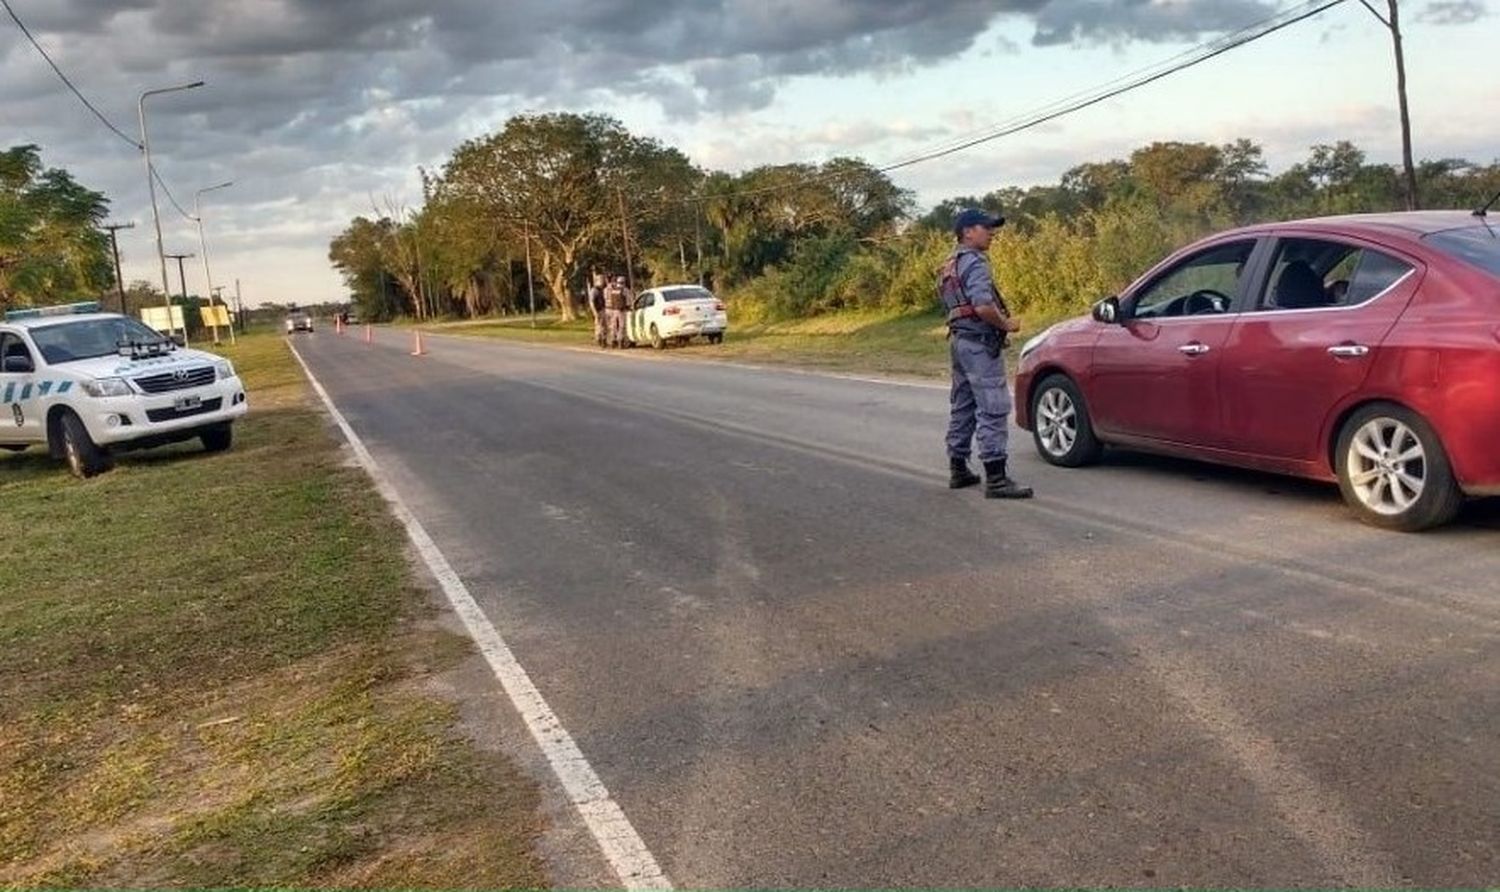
x=1393, y=25
x=114, y=244
x=239, y=305
x=181, y=277
x=698, y=241
x=625, y=237
x=530, y=286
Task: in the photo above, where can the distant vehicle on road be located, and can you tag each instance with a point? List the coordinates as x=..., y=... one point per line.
x=298, y=320
x=675, y=314
x=87, y=384
x=1362, y=349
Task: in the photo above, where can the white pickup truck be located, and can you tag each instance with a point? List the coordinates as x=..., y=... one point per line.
x=87, y=384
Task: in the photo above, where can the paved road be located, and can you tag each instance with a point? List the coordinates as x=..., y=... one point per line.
x=797, y=659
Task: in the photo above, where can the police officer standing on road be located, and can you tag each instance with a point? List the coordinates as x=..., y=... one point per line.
x=617, y=300
x=978, y=324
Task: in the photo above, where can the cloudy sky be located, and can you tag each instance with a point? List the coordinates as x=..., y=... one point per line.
x=316, y=108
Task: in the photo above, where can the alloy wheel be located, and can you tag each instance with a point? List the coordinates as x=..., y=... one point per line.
x=1057, y=421
x=1387, y=466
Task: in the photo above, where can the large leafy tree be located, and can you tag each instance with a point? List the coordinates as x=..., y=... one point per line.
x=568, y=186
x=51, y=247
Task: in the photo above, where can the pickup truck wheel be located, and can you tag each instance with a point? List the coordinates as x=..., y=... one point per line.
x=217, y=439
x=85, y=457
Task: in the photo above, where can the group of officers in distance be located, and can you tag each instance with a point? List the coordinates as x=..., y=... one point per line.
x=978, y=325
x=610, y=300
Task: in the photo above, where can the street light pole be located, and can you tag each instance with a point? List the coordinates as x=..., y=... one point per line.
x=203, y=249
x=161, y=254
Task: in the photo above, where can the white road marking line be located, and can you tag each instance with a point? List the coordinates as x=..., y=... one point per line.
x=622, y=846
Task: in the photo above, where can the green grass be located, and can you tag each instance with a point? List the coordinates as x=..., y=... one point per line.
x=894, y=344
x=215, y=670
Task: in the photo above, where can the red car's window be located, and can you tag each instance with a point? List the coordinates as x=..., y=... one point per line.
x=1475, y=245
x=1203, y=284
x=1311, y=274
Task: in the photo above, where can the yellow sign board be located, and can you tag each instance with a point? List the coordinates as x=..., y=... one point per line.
x=163, y=319
x=215, y=315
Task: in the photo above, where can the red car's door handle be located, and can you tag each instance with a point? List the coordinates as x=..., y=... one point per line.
x=1194, y=349
x=1348, y=351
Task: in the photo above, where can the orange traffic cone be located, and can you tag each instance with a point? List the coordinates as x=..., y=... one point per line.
x=416, y=343
x=369, y=335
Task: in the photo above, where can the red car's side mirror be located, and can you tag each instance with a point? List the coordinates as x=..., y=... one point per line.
x=1108, y=311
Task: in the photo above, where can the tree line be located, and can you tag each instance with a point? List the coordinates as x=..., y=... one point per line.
x=533, y=209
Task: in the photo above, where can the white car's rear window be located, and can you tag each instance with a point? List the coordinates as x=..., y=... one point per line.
x=676, y=294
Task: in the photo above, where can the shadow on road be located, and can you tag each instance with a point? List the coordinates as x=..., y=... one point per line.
x=1481, y=514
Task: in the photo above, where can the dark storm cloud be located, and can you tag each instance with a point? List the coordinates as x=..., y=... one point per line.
x=1453, y=12
x=270, y=59
x=1071, y=21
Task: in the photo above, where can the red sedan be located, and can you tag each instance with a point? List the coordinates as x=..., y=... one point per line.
x=1362, y=349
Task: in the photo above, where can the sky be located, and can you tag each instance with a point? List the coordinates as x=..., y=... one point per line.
x=320, y=110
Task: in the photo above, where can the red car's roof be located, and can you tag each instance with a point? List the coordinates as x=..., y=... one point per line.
x=1412, y=224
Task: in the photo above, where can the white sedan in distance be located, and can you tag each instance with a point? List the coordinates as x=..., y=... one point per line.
x=675, y=314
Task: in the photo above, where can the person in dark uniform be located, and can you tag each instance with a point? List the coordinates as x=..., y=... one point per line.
x=596, y=307
x=978, y=325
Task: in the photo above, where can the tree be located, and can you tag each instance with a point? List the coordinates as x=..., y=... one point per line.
x=359, y=253
x=1179, y=175
x=556, y=182
x=51, y=247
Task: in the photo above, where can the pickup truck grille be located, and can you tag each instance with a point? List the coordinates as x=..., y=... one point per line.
x=156, y=416
x=166, y=382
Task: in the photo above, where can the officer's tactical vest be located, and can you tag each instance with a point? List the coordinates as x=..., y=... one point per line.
x=951, y=290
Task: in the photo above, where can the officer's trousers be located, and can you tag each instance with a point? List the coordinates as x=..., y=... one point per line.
x=614, y=327
x=980, y=401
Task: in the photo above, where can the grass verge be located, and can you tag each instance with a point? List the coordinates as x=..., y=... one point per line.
x=218, y=672
x=908, y=345
x=904, y=345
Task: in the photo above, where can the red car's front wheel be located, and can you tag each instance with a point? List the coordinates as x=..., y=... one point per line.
x=1061, y=426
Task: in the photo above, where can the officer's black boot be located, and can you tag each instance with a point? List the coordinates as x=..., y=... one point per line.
x=998, y=485
x=960, y=477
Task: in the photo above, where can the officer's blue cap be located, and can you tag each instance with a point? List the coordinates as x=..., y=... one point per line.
x=975, y=217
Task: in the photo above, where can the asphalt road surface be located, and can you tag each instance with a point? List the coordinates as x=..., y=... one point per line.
x=797, y=659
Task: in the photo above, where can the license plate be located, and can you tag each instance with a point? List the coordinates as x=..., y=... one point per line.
x=184, y=403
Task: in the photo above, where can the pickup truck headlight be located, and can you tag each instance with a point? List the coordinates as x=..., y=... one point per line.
x=224, y=368
x=102, y=387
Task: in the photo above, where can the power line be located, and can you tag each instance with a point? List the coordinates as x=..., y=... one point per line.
x=91, y=107
x=1218, y=48
x=76, y=92
x=1128, y=76
x=163, y=184
x=1079, y=101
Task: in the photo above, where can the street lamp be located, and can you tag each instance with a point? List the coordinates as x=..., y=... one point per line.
x=161, y=254
x=203, y=248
